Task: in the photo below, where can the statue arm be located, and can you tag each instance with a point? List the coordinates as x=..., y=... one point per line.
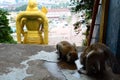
x=45, y=26
x=40, y=24
x=18, y=31
x=44, y=29
x=22, y=26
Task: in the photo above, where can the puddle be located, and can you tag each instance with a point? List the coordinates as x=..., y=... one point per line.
x=62, y=73
x=73, y=74
x=47, y=56
x=68, y=70
x=16, y=73
x=59, y=70
x=20, y=73
x=70, y=74
x=76, y=74
x=54, y=70
x=64, y=65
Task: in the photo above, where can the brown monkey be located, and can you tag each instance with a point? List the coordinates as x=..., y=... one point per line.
x=67, y=51
x=94, y=58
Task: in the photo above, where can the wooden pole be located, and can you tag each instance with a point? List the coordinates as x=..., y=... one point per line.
x=95, y=10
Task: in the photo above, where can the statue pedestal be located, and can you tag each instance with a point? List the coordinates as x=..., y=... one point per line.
x=33, y=37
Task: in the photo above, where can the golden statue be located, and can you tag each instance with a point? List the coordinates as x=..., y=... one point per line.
x=36, y=23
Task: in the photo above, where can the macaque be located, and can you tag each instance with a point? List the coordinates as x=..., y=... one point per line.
x=67, y=51
x=94, y=58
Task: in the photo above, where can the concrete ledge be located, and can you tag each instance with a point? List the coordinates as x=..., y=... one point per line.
x=15, y=64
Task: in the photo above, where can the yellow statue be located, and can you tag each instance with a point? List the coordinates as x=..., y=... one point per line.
x=36, y=23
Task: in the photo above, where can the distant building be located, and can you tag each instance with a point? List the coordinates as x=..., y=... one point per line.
x=57, y=13
x=8, y=1
x=21, y=1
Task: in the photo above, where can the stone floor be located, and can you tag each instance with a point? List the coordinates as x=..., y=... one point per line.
x=38, y=62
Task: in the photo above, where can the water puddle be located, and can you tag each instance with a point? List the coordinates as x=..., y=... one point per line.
x=16, y=73
x=58, y=69
x=68, y=70
x=70, y=74
x=54, y=69
x=20, y=73
x=47, y=56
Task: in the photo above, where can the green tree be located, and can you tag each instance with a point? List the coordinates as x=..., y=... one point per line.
x=86, y=5
x=5, y=29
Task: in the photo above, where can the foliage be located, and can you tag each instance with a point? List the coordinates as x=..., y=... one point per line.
x=5, y=29
x=84, y=5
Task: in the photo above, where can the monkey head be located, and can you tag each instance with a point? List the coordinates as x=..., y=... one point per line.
x=72, y=56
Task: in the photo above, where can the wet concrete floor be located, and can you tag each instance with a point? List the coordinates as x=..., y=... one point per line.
x=38, y=62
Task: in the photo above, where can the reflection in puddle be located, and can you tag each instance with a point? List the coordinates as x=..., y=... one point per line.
x=68, y=70
x=64, y=65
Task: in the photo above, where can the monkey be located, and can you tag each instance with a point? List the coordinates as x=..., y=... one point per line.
x=66, y=51
x=94, y=59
